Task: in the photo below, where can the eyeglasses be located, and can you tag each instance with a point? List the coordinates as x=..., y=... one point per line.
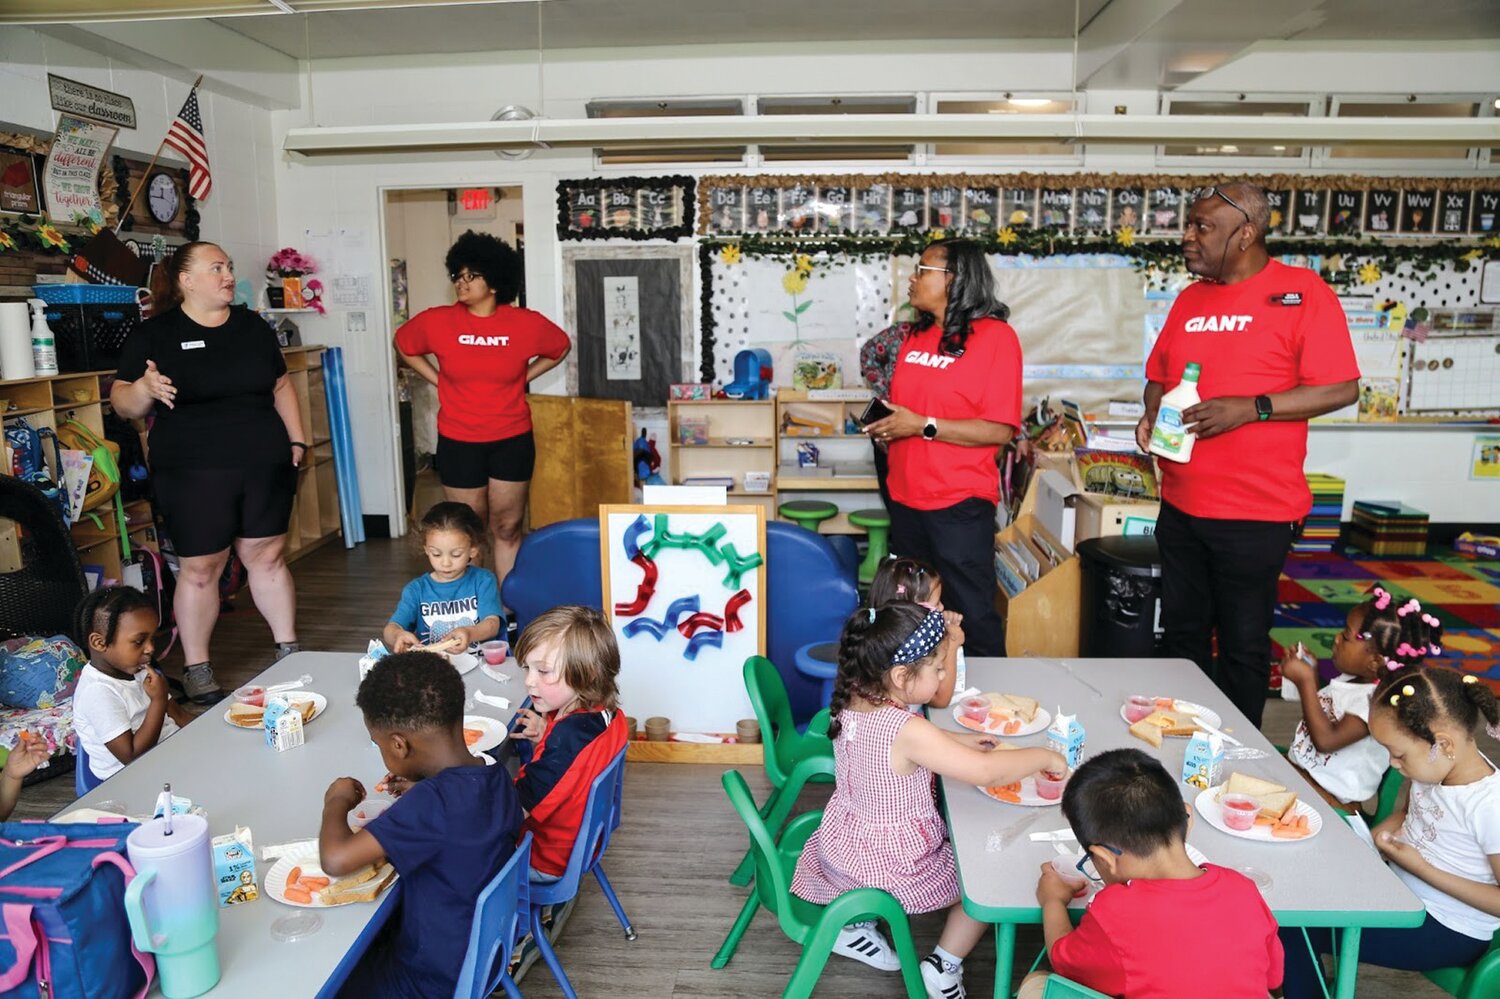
x=1213, y=192
x=923, y=267
x=1086, y=865
x=462, y=277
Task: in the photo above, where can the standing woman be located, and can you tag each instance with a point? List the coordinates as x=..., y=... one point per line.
x=956, y=400
x=486, y=351
x=224, y=447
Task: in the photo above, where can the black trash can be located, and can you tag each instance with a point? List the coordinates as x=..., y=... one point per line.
x=1120, y=612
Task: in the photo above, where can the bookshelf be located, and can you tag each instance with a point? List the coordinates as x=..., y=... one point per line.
x=826, y=423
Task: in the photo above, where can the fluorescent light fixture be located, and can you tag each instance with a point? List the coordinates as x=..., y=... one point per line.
x=282, y=6
x=1028, y=102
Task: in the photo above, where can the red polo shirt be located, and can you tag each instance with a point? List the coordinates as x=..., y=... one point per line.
x=983, y=384
x=482, y=366
x=1282, y=328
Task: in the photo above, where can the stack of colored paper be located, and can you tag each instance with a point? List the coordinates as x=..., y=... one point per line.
x=1388, y=527
x=1322, y=527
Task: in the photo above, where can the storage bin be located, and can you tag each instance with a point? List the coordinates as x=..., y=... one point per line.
x=90, y=337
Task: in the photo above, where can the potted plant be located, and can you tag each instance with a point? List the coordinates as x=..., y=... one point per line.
x=284, y=272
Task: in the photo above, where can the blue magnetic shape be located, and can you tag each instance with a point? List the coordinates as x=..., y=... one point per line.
x=659, y=629
x=679, y=607
x=640, y=624
x=696, y=643
x=633, y=533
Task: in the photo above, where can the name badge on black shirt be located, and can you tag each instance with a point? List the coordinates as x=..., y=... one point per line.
x=193, y=345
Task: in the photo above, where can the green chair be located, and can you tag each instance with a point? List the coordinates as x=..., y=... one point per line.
x=1059, y=987
x=877, y=525
x=1385, y=798
x=814, y=927
x=1478, y=981
x=784, y=749
x=808, y=513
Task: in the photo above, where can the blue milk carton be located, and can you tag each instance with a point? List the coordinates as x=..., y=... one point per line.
x=283, y=723
x=1065, y=737
x=1203, y=763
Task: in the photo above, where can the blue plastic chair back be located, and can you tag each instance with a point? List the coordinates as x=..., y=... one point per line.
x=556, y=565
x=600, y=816
x=500, y=920
x=810, y=594
x=84, y=780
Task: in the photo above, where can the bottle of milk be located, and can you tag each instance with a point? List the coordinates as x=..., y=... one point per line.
x=1169, y=438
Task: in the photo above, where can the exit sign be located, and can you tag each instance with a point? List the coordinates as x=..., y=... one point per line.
x=475, y=203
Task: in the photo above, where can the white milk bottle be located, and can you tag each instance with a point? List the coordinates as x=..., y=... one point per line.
x=1169, y=438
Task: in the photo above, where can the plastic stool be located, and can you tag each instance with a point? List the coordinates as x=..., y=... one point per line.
x=808, y=513
x=820, y=661
x=877, y=524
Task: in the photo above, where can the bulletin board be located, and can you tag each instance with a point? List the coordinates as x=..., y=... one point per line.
x=1456, y=373
x=684, y=591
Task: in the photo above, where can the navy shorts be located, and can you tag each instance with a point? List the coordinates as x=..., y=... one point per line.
x=471, y=465
x=205, y=509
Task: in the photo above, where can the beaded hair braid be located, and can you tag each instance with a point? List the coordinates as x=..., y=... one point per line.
x=1423, y=695
x=1401, y=633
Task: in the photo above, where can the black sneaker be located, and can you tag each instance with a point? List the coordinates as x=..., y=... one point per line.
x=199, y=686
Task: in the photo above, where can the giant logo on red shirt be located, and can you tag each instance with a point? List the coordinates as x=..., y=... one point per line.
x=1217, y=324
x=928, y=360
x=476, y=340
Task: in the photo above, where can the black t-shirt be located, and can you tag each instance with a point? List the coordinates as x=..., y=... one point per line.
x=225, y=376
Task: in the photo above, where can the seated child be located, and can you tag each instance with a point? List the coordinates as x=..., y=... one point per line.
x=457, y=599
x=917, y=582
x=574, y=722
x=1332, y=745
x=1443, y=841
x=30, y=752
x=1128, y=814
x=121, y=707
x=450, y=831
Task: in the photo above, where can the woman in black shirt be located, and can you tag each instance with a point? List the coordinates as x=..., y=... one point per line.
x=223, y=447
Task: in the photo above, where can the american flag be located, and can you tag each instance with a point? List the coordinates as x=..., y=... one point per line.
x=186, y=136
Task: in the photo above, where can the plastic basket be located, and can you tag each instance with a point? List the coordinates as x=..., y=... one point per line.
x=85, y=294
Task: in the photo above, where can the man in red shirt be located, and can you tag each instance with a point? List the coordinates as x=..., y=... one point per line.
x=1274, y=349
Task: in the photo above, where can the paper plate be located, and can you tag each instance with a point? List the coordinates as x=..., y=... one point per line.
x=1029, y=797
x=1038, y=724
x=1209, y=810
x=491, y=732
x=463, y=661
x=305, y=857
x=320, y=705
x=1185, y=708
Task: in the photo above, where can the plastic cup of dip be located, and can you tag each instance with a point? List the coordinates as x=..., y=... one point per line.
x=1049, y=784
x=975, y=709
x=252, y=695
x=1139, y=707
x=366, y=811
x=1239, y=811
x=495, y=652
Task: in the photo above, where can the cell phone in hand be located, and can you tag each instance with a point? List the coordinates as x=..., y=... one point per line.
x=876, y=410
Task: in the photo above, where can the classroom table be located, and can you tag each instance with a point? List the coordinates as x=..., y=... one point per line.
x=239, y=780
x=1333, y=879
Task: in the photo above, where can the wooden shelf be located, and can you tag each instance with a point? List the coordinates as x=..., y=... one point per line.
x=826, y=484
x=820, y=437
x=723, y=442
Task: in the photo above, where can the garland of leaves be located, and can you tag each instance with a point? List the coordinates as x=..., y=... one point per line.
x=686, y=184
x=706, y=323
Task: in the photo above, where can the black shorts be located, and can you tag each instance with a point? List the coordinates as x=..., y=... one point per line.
x=205, y=509
x=471, y=465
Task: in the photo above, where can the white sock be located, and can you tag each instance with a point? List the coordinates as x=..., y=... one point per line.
x=951, y=962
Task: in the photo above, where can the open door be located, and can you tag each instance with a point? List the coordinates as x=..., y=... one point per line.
x=583, y=457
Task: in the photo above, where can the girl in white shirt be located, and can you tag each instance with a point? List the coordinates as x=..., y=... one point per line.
x=1443, y=841
x=1332, y=744
x=121, y=707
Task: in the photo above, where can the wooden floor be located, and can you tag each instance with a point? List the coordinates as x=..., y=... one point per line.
x=672, y=855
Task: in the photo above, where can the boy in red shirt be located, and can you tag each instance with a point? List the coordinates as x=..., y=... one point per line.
x=1129, y=816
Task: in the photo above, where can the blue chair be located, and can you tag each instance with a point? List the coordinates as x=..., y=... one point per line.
x=809, y=596
x=84, y=780
x=499, y=923
x=820, y=661
x=847, y=550
x=556, y=565
x=601, y=816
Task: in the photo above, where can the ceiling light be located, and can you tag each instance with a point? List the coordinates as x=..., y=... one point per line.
x=1028, y=102
x=282, y=6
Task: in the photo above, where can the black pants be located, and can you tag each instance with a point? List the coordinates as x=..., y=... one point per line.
x=1219, y=576
x=882, y=472
x=959, y=542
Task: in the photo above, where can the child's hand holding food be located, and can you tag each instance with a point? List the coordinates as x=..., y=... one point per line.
x=405, y=640
x=346, y=792
x=30, y=752
x=1296, y=668
x=460, y=639
x=392, y=785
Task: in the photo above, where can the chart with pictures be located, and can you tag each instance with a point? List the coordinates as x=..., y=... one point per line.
x=1457, y=372
x=636, y=206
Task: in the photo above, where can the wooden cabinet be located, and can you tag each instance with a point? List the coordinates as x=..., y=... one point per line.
x=52, y=401
x=717, y=441
x=846, y=473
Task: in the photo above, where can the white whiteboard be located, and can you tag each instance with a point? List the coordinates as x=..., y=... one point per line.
x=1451, y=374
x=659, y=672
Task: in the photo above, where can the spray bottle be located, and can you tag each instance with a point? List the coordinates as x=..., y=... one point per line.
x=43, y=343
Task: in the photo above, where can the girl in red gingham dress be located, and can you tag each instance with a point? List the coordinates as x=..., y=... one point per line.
x=882, y=829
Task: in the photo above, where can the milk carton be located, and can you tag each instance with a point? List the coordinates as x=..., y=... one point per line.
x=234, y=867
x=283, y=723
x=1203, y=763
x=1065, y=736
x=377, y=651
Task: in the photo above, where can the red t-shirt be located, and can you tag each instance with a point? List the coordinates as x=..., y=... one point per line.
x=482, y=366
x=1250, y=339
x=983, y=384
x=1208, y=936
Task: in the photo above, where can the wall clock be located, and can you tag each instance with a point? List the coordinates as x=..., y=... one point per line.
x=162, y=198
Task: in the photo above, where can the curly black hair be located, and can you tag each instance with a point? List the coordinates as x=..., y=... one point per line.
x=971, y=296
x=866, y=648
x=99, y=613
x=451, y=515
x=491, y=258
x=1423, y=695
x=412, y=691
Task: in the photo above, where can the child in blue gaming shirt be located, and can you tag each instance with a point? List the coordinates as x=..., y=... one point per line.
x=457, y=599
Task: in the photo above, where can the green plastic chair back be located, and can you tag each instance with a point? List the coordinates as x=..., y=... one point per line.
x=785, y=747
x=1385, y=798
x=1479, y=980
x=1059, y=987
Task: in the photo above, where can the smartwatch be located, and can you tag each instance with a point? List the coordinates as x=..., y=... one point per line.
x=929, y=432
x=1263, y=407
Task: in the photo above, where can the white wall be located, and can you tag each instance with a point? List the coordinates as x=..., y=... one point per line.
x=240, y=212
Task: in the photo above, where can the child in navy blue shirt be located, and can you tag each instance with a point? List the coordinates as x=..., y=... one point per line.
x=450, y=831
x=457, y=599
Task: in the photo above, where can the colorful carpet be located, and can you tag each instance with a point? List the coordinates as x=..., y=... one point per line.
x=1317, y=591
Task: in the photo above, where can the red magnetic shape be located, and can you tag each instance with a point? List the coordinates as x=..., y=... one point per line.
x=700, y=620
x=644, y=592
x=732, y=620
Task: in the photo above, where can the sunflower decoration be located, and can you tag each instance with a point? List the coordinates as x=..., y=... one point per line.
x=1369, y=272
x=6, y=242
x=50, y=238
x=1125, y=235
x=794, y=282
x=803, y=264
x=731, y=254
x=1473, y=255
x=1006, y=236
x=936, y=235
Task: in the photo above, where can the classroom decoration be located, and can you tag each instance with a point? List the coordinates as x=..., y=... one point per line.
x=626, y=208
x=685, y=589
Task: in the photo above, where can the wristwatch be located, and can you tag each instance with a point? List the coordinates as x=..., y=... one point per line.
x=929, y=432
x=1263, y=407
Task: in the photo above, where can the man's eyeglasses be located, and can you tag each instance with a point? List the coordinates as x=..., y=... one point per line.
x=1086, y=865
x=1200, y=193
x=462, y=277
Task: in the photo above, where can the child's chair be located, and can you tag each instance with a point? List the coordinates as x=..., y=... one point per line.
x=1478, y=980
x=1059, y=987
x=84, y=780
x=784, y=748
x=1385, y=798
x=814, y=927
x=499, y=922
x=600, y=817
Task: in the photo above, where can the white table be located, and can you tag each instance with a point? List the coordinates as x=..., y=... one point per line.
x=240, y=780
x=1333, y=879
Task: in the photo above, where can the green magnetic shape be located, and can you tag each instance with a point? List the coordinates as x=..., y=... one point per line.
x=706, y=543
x=738, y=565
x=658, y=537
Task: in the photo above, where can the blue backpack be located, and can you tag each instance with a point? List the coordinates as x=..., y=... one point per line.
x=63, y=930
x=29, y=462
